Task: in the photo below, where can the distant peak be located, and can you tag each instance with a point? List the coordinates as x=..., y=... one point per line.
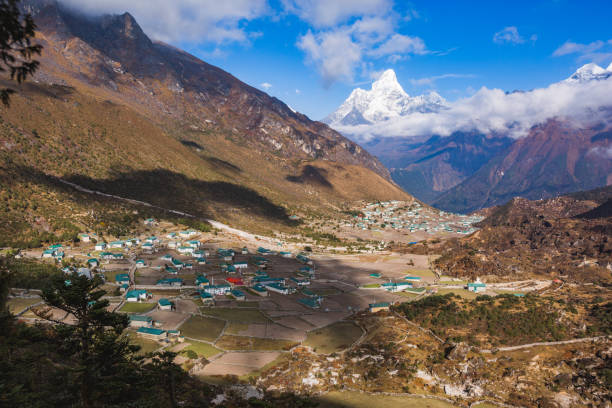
x=387, y=81
x=609, y=67
x=590, y=71
x=591, y=68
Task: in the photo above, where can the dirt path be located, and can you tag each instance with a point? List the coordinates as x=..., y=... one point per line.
x=547, y=343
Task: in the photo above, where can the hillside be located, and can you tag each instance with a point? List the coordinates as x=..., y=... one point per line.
x=112, y=110
x=429, y=169
x=563, y=237
x=555, y=158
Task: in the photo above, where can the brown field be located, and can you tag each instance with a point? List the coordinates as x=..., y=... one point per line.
x=202, y=328
x=169, y=320
x=230, y=342
x=239, y=363
x=341, y=399
x=333, y=338
x=18, y=305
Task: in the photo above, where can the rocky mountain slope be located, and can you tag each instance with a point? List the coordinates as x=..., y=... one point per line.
x=113, y=110
x=429, y=169
x=565, y=237
x=555, y=158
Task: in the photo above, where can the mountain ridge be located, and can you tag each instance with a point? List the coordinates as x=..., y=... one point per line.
x=449, y=170
x=119, y=113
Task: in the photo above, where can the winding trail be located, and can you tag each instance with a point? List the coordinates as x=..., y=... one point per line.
x=547, y=343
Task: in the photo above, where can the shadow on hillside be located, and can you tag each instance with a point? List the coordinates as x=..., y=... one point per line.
x=312, y=175
x=193, y=145
x=177, y=192
x=163, y=188
x=222, y=164
x=54, y=91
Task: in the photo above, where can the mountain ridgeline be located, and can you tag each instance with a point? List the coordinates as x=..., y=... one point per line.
x=467, y=169
x=112, y=110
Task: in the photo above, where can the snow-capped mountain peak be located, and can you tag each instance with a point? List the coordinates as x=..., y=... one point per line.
x=589, y=72
x=385, y=100
x=387, y=82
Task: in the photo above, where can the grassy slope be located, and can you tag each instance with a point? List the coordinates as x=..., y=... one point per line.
x=73, y=134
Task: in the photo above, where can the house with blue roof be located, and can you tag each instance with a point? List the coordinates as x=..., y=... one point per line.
x=140, y=263
x=93, y=262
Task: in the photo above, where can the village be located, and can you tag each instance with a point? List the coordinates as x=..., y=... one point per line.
x=232, y=306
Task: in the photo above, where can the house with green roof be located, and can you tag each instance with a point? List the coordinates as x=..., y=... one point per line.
x=136, y=295
x=93, y=262
x=116, y=244
x=207, y=298
x=122, y=278
x=140, y=321
x=140, y=263
x=377, y=307
x=312, y=303
x=202, y=281
x=170, y=282
x=259, y=290
x=396, y=286
x=476, y=286
x=151, y=333
x=309, y=293
x=238, y=294
x=165, y=304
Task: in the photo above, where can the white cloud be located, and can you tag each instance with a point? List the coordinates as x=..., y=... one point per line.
x=400, y=44
x=334, y=53
x=493, y=110
x=596, y=51
x=338, y=52
x=328, y=13
x=195, y=21
x=508, y=35
x=430, y=80
x=297, y=91
x=266, y=85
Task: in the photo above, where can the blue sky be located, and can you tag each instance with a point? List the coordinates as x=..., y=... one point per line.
x=312, y=53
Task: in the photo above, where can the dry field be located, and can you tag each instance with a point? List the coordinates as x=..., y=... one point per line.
x=239, y=363
x=333, y=338
x=202, y=328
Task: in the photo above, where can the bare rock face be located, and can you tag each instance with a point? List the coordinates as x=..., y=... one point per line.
x=458, y=352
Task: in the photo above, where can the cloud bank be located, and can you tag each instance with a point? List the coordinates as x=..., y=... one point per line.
x=196, y=21
x=493, y=110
